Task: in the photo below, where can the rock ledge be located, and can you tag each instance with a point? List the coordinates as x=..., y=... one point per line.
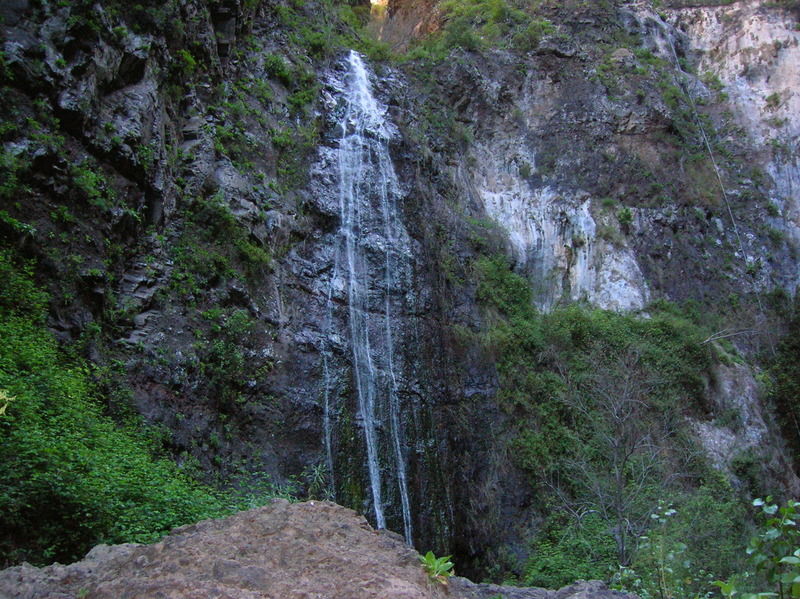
x=312, y=550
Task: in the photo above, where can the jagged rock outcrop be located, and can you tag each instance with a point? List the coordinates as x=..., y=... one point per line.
x=292, y=551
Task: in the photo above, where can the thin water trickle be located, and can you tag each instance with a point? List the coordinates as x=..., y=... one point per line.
x=369, y=226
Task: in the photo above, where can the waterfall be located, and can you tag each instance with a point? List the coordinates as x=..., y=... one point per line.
x=372, y=249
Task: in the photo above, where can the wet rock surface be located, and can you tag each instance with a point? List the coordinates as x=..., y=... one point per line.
x=307, y=550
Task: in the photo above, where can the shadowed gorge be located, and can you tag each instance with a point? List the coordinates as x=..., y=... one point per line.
x=514, y=280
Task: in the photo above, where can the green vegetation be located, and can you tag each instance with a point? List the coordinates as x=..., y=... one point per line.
x=187, y=64
x=773, y=101
x=71, y=476
x=437, y=568
x=773, y=555
x=76, y=476
x=571, y=549
x=143, y=16
x=784, y=391
x=688, y=544
x=222, y=356
x=479, y=24
x=93, y=185
x=214, y=247
x=600, y=399
x=625, y=217
x=12, y=166
x=276, y=67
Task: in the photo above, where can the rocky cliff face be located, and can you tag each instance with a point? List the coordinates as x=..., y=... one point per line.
x=611, y=164
x=279, y=267
x=753, y=49
x=562, y=136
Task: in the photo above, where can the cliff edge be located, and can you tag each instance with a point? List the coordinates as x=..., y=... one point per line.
x=309, y=550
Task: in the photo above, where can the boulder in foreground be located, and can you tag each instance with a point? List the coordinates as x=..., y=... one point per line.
x=313, y=550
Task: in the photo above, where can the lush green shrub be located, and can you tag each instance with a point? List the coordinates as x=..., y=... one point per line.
x=529, y=36
x=477, y=24
x=599, y=400
x=276, y=67
x=437, y=568
x=501, y=288
x=570, y=549
x=774, y=555
x=71, y=477
x=692, y=541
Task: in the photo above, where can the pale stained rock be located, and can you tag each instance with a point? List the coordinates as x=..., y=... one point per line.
x=753, y=48
x=751, y=434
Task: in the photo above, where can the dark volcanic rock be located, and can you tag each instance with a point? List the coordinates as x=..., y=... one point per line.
x=593, y=589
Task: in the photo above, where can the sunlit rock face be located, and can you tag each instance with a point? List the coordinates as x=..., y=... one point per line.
x=554, y=235
x=408, y=20
x=754, y=50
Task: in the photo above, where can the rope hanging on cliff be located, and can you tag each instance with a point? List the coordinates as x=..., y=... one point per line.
x=680, y=79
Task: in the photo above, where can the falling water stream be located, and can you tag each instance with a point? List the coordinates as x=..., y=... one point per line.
x=371, y=238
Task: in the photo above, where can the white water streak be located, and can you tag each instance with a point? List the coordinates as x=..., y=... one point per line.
x=368, y=182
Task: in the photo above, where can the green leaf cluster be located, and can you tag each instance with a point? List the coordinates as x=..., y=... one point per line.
x=774, y=553
x=437, y=568
x=569, y=549
x=785, y=375
x=692, y=540
x=559, y=376
x=214, y=246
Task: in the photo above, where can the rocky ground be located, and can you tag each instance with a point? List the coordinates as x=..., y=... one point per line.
x=310, y=550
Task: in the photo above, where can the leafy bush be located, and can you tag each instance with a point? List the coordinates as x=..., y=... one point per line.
x=569, y=549
x=500, y=287
x=598, y=400
x=12, y=168
x=186, y=63
x=625, y=217
x=71, y=477
x=204, y=255
x=475, y=25
x=774, y=553
x=690, y=542
x=785, y=388
x=93, y=185
x=529, y=36
x=276, y=67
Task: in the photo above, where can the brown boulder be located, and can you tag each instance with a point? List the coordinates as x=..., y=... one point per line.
x=313, y=550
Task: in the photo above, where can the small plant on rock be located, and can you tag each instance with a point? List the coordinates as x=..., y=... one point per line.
x=438, y=569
